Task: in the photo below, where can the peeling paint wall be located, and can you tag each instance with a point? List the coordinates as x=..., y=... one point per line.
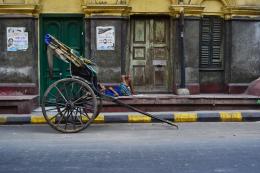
x=108, y=61
x=191, y=47
x=245, y=61
x=18, y=66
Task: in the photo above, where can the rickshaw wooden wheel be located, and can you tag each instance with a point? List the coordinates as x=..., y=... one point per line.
x=69, y=105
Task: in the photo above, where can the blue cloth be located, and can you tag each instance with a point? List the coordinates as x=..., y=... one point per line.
x=108, y=92
x=47, y=39
x=122, y=90
x=111, y=93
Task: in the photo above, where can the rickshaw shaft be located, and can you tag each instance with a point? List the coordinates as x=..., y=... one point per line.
x=142, y=112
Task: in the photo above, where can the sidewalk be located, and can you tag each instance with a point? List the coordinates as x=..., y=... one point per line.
x=149, y=102
x=190, y=108
x=36, y=117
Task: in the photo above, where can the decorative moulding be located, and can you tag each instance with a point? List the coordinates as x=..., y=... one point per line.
x=194, y=10
x=250, y=11
x=30, y=9
x=116, y=7
x=227, y=11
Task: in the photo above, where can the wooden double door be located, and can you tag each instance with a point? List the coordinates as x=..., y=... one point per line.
x=150, y=63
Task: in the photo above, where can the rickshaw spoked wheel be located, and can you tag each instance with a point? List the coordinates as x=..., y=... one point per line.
x=69, y=105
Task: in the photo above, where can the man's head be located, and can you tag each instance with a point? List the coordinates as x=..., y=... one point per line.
x=126, y=79
x=10, y=42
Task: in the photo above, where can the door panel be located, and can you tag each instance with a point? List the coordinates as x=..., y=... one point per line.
x=150, y=54
x=69, y=31
x=160, y=54
x=159, y=76
x=138, y=73
x=72, y=36
x=139, y=31
x=52, y=27
x=159, y=31
x=140, y=51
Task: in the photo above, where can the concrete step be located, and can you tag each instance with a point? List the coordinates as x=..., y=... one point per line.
x=18, y=104
x=169, y=102
x=148, y=102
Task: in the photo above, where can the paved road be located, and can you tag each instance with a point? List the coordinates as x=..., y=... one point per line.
x=132, y=148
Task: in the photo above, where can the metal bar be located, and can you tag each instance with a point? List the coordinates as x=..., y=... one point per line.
x=144, y=113
x=109, y=98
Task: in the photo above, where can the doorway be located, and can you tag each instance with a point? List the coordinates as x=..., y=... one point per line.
x=69, y=30
x=149, y=54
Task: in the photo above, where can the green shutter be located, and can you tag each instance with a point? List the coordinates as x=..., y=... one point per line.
x=205, y=43
x=216, y=42
x=211, y=42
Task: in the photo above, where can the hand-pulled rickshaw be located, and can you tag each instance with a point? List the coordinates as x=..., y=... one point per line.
x=71, y=104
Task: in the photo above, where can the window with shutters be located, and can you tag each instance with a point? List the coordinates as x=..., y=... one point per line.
x=211, y=40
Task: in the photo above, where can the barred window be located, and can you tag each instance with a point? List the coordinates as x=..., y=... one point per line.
x=211, y=43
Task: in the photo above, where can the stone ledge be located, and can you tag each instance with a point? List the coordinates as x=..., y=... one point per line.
x=18, y=104
x=237, y=88
x=118, y=9
x=17, y=89
x=170, y=102
x=19, y=8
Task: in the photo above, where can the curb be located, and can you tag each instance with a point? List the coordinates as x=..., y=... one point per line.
x=178, y=117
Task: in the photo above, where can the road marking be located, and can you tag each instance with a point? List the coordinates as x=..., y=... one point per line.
x=38, y=120
x=99, y=119
x=231, y=116
x=2, y=120
x=136, y=118
x=185, y=117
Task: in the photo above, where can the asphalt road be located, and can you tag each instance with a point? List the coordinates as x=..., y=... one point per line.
x=132, y=148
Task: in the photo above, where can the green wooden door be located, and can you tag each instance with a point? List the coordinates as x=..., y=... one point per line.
x=69, y=30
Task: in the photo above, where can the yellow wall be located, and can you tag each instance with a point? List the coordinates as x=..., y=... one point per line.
x=213, y=6
x=229, y=2
x=61, y=6
x=151, y=6
x=14, y=1
x=137, y=6
x=102, y=1
x=248, y=2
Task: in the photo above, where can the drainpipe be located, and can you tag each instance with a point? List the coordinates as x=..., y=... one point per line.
x=182, y=90
x=181, y=47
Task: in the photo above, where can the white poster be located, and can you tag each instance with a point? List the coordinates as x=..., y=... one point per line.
x=105, y=37
x=17, y=39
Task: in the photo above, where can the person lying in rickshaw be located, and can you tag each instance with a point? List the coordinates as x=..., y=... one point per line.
x=123, y=89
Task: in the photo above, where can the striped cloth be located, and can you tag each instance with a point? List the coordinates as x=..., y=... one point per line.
x=125, y=90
